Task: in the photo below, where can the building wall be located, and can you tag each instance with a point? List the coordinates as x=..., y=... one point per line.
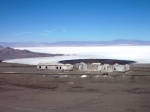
x=127, y=67
x=89, y=67
x=55, y=67
x=82, y=66
x=67, y=67
x=110, y=68
x=121, y=68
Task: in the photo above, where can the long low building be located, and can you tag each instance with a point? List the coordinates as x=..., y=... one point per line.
x=55, y=66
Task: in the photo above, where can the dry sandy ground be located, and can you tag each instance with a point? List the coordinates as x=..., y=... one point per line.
x=45, y=93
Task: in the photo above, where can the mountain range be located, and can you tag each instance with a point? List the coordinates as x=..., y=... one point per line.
x=77, y=43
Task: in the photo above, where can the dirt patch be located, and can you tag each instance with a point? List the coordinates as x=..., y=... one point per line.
x=140, y=91
x=37, y=86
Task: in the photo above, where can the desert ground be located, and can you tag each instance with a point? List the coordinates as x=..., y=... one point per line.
x=23, y=88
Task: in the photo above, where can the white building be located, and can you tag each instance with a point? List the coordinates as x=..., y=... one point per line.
x=107, y=68
x=121, y=68
x=55, y=66
x=95, y=66
x=102, y=67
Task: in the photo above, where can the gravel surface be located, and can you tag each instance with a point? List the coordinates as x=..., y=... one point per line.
x=24, y=92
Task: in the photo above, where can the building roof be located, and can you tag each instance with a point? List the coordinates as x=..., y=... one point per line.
x=52, y=64
x=96, y=63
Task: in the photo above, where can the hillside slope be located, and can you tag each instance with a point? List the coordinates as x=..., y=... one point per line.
x=10, y=53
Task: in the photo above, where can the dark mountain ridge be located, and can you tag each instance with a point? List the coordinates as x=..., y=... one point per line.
x=10, y=53
x=103, y=61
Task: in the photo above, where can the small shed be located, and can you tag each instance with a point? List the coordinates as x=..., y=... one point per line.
x=94, y=67
x=121, y=68
x=82, y=66
x=107, y=68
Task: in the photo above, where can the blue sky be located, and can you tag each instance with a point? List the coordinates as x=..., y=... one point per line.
x=74, y=20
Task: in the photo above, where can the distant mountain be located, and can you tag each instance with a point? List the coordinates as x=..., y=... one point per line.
x=76, y=43
x=21, y=44
x=101, y=43
x=10, y=53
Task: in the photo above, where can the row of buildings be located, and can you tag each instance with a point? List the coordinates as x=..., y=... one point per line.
x=85, y=67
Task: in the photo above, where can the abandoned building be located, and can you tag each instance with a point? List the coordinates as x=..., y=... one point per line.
x=85, y=67
x=121, y=68
x=102, y=67
x=55, y=66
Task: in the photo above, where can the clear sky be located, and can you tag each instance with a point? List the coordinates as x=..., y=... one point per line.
x=74, y=20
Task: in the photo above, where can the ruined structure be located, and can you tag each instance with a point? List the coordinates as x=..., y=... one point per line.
x=85, y=67
x=102, y=67
x=121, y=68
